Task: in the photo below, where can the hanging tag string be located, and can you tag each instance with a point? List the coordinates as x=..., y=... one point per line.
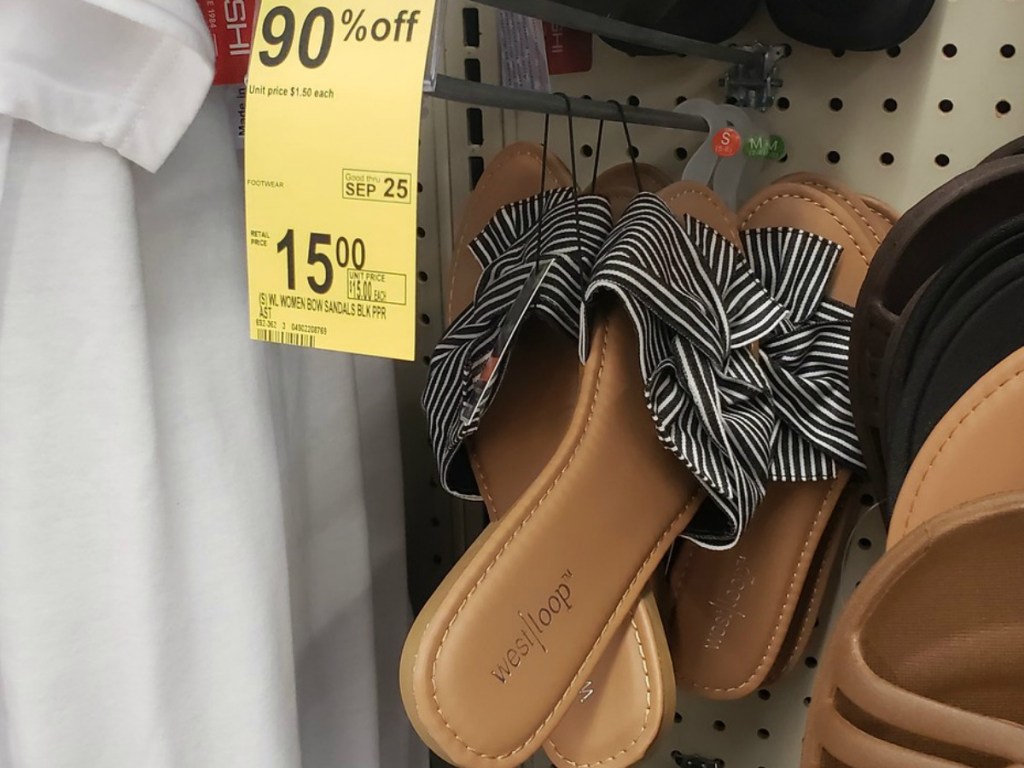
x=629, y=144
x=597, y=156
x=572, y=140
x=541, y=198
x=575, y=178
x=543, y=184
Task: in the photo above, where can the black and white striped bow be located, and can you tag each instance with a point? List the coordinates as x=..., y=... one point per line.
x=514, y=249
x=806, y=358
x=697, y=309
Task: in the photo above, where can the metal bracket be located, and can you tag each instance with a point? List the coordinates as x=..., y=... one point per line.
x=754, y=85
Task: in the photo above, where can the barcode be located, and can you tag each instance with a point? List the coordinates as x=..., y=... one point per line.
x=285, y=337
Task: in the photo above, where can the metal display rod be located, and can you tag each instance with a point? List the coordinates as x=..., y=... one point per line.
x=566, y=16
x=484, y=95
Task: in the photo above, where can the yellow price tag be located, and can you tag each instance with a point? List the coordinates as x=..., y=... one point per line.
x=332, y=143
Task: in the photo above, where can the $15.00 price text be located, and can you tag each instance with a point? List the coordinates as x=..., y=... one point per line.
x=323, y=253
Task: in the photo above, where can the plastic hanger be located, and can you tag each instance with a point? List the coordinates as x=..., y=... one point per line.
x=736, y=176
x=733, y=178
x=702, y=164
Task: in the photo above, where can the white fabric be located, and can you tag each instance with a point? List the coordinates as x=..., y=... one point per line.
x=128, y=74
x=201, y=540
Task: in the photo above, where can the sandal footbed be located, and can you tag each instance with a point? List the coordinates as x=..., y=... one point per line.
x=973, y=452
x=629, y=698
x=561, y=540
x=612, y=728
x=735, y=620
x=630, y=695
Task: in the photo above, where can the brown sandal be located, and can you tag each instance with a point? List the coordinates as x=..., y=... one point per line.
x=925, y=667
x=926, y=238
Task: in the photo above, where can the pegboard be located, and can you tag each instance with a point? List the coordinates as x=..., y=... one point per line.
x=894, y=124
x=438, y=528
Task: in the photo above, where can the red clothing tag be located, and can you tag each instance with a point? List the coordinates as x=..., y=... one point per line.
x=569, y=50
x=727, y=142
x=231, y=23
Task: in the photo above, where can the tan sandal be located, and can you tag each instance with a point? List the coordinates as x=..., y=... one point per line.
x=742, y=617
x=925, y=667
x=566, y=564
x=519, y=625
x=973, y=452
x=629, y=698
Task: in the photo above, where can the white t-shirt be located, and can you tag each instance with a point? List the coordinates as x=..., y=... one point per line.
x=201, y=539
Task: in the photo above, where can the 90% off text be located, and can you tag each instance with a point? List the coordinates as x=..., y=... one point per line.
x=318, y=32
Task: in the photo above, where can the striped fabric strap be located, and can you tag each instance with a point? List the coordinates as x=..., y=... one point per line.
x=697, y=309
x=806, y=357
x=515, y=248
